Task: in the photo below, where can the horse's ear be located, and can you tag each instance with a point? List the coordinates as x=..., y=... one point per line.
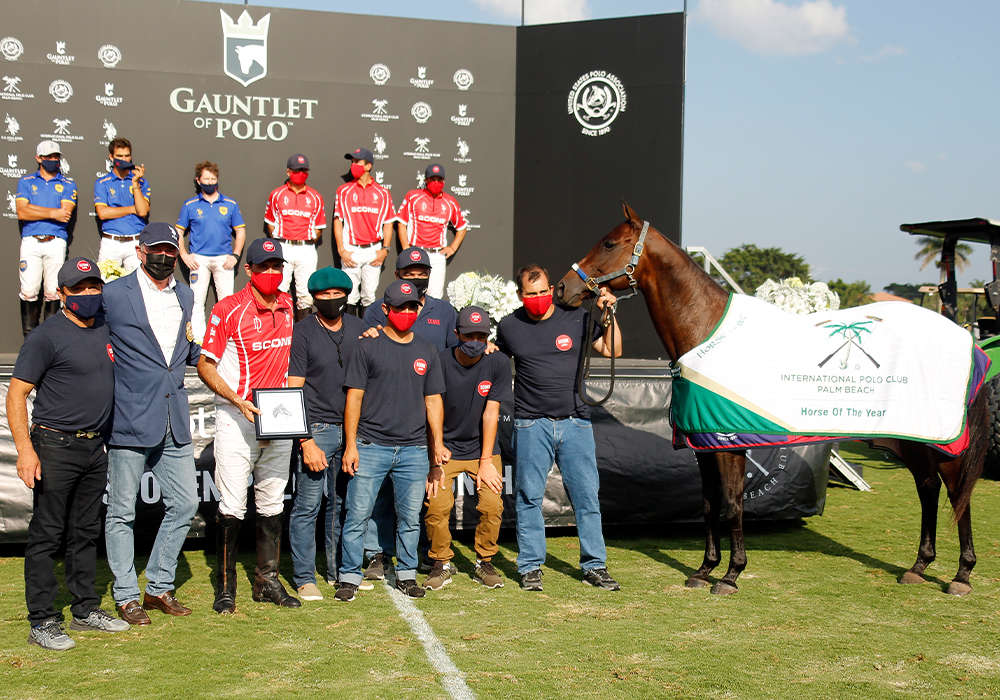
x=630, y=214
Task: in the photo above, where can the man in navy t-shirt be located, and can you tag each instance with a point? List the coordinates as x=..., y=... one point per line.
x=475, y=384
x=322, y=345
x=551, y=423
x=394, y=395
x=68, y=362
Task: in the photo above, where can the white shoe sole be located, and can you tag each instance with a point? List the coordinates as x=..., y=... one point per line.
x=431, y=588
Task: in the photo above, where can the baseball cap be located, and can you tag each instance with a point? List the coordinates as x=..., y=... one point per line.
x=262, y=250
x=360, y=154
x=297, y=161
x=411, y=257
x=47, y=148
x=329, y=278
x=473, y=319
x=75, y=270
x=400, y=293
x=434, y=170
x=157, y=232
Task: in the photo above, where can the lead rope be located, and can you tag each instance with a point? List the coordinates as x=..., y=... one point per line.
x=593, y=321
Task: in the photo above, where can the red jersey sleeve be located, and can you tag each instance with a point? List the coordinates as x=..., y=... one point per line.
x=457, y=220
x=338, y=211
x=403, y=215
x=321, y=215
x=270, y=216
x=390, y=211
x=216, y=332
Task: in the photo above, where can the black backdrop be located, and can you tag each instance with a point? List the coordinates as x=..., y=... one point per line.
x=569, y=180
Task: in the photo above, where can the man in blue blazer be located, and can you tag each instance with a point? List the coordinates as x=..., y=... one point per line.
x=148, y=314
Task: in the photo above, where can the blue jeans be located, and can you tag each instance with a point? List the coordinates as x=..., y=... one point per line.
x=310, y=487
x=407, y=467
x=381, y=526
x=173, y=467
x=538, y=442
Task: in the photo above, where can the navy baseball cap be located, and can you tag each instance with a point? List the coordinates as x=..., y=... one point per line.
x=434, y=170
x=400, y=293
x=360, y=154
x=262, y=250
x=412, y=257
x=75, y=270
x=156, y=232
x=329, y=278
x=473, y=319
x=297, y=161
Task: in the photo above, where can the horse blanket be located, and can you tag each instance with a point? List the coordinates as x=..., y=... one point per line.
x=767, y=377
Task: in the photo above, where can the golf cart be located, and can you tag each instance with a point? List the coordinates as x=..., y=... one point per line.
x=985, y=327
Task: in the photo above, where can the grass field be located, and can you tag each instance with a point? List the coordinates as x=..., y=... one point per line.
x=819, y=614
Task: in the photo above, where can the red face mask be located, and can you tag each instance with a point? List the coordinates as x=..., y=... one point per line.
x=266, y=283
x=402, y=321
x=538, y=305
x=298, y=177
x=357, y=170
x=435, y=187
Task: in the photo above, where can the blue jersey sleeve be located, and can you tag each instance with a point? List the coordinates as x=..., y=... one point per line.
x=100, y=192
x=183, y=219
x=24, y=189
x=69, y=194
x=237, y=216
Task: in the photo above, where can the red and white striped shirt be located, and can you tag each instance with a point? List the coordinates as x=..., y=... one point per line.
x=295, y=215
x=250, y=343
x=364, y=209
x=427, y=218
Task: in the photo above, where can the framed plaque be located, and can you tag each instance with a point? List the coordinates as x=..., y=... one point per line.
x=282, y=414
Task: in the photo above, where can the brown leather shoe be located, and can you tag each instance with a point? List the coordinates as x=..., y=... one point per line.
x=166, y=602
x=133, y=613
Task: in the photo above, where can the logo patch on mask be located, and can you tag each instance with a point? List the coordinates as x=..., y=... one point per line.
x=420, y=366
x=564, y=342
x=484, y=387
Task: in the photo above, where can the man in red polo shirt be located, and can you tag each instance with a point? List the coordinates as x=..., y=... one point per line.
x=424, y=217
x=362, y=226
x=295, y=215
x=246, y=347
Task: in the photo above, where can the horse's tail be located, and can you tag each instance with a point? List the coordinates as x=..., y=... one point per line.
x=974, y=458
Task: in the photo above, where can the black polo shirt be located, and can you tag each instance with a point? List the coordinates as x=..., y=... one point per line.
x=546, y=356
x=396, y=377
x=73, y=373
x=321, y=356
x=467, y=389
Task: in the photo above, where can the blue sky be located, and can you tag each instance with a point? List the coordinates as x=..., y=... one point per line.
x=817, y=126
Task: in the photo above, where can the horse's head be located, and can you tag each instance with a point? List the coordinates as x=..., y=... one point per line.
x=611, y=254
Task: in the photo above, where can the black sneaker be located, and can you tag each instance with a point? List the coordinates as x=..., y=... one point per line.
x=410, y=588
x=532, y=580
x=600, y=578
x=345, y=593
x=376, y=568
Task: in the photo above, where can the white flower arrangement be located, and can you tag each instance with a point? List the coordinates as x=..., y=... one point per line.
x=492, y=292
x=110, y=270
x=797, y=297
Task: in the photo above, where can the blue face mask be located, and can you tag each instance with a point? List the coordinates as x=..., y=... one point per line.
x=51, y=166
x=472, y=348
x=124, y=165
x=208, y=189
x=84, y=306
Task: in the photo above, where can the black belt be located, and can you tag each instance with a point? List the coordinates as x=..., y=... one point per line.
x=368, y=245
x=119, y=238
x=86, y=434
x=289, y=242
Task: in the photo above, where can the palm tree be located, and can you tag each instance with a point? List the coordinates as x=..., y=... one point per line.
x=930, y=252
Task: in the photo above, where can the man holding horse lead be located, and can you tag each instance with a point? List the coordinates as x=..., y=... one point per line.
x=551, y=422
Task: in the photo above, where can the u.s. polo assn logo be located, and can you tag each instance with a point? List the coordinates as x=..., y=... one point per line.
x=596, y=99
x=244, y=47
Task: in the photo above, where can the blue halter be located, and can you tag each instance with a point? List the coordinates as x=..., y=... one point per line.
x=629, y=270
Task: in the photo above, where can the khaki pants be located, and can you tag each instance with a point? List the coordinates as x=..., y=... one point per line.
x=489, y=504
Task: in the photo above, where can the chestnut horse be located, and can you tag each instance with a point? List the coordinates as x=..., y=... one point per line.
x=685, y=304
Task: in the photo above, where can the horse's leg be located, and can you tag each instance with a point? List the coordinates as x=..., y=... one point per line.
x=732, y=467
x=711, y=494
x=960, y=585
x=928, y=489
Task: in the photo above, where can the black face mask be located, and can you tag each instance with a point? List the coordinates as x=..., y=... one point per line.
x=420, y=283
x=207, y=189
x=51, y=166
x=124, y=165
x=330, y=309
x=159, y=265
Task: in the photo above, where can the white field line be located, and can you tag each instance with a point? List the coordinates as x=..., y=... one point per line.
x=453, y=679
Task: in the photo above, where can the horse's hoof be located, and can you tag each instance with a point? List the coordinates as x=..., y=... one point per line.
x=911, y=577
x=723, y=588
x=695, y=582
x=957, y=588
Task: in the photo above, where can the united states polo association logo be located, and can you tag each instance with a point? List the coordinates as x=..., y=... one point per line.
x=244, y=47
x=596, y=99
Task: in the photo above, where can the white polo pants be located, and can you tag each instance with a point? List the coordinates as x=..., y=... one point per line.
x=238, y=455
x=40, y=262
x=300, y=260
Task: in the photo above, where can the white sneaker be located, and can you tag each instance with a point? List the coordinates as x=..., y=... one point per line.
x=310, y=591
